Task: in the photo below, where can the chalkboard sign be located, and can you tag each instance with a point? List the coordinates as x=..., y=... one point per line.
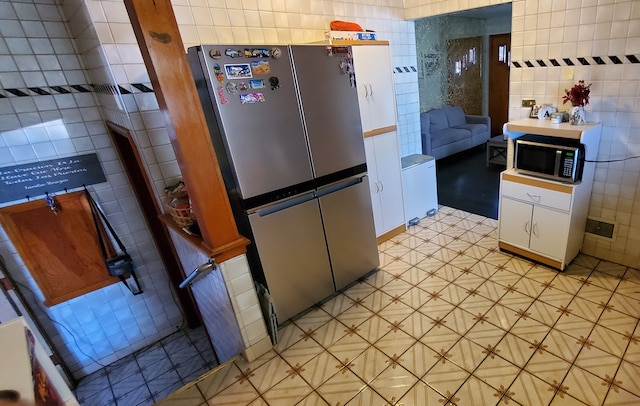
x=38, y=178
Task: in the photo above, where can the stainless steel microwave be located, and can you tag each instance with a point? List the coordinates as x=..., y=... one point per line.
x=560, y=159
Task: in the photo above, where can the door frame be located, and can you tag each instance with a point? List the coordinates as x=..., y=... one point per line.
x=127, y=150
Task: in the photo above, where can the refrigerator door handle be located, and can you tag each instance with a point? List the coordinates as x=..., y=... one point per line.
x=283, y=205
x=339, y=186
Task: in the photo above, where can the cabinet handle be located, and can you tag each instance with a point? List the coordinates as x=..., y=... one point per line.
x=366, y=91
x=381, y=186
x=535, y=198
x=526, y=227
x=377, y=187
x=535, y=229
x=370, y=89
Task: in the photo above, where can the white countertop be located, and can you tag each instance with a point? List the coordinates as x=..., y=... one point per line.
x=546, y=127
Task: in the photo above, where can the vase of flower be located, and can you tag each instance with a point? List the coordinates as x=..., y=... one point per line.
x=577, y=116
x=578, y=95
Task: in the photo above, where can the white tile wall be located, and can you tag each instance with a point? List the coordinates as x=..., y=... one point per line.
x=109, y=323
x=244, y=299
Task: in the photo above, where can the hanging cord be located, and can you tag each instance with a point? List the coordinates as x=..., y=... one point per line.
x=612, y=160
x=120, y=264
x=46, y=312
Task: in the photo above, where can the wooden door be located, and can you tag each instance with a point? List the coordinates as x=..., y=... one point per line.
x=499, y=63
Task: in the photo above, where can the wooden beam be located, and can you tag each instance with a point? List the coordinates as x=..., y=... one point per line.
x=164, y=56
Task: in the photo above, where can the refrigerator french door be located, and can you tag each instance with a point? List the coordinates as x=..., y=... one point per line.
x=285, y=125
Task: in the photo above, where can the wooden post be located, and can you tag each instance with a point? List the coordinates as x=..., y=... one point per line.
x=164, y=56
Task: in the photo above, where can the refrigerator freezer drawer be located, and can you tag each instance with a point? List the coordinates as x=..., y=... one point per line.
x=351, y=237
x=293, y=253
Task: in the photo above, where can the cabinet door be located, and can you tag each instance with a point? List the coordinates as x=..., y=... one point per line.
x=515, y=222
x=389, y=169
x=374, y=77
x=549, y=232
x=374, y=188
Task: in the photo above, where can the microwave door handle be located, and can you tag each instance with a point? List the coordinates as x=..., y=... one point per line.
x=556, y=169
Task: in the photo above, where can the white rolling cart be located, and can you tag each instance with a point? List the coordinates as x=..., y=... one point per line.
x=419, y=186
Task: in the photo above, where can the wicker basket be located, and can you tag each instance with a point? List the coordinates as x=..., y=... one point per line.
x=183, y=216
x=178, y=204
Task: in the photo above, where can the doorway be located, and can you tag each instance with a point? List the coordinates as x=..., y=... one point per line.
x=446, y=51
x=499, y=64
x=130, y=158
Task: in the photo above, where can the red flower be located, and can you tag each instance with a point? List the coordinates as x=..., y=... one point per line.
x=578, y=95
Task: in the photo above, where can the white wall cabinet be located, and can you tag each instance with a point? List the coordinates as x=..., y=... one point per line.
x=374, y=79
x=376, y=99
x=385, y=181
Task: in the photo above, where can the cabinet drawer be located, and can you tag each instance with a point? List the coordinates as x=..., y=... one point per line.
x=536, y=195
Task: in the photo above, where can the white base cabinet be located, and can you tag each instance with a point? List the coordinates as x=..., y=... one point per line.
x=542, y=220
x=385, y=182
x=540, y=229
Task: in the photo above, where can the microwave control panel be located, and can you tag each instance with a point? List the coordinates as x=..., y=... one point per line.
x=567, y=164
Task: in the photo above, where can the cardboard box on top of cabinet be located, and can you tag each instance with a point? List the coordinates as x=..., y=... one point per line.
x=350, y=36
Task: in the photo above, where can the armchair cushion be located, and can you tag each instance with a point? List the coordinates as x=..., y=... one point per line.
x=455, y=116
x=438, y=120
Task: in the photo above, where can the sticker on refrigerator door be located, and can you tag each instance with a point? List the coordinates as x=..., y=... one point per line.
x=223, y=98
x=256, y=84
x=251, y=98
x=232, y=88
x=215, y=54
x=274, y=82
x=231, y=53
x=256, y=53
x=276, y=53
x=346, y=66
x=238, y=71
x=243, y=86
x=260, y=67
x=218, y=72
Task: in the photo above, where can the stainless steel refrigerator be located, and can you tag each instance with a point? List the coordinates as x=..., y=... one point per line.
x=285, y=123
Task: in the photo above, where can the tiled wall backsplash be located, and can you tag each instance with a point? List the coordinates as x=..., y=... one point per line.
x=37, y=49
x=48, y=110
